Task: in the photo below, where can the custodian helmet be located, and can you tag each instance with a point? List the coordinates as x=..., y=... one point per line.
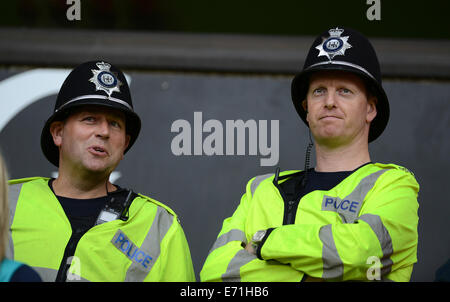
x=348, y=50
x=92, y=83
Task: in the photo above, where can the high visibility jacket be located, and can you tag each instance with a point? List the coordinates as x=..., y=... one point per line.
x=365, y=228
x=149, y=246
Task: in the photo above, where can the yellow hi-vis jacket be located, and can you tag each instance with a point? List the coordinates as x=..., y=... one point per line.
x=149, y=246
x=365, y=228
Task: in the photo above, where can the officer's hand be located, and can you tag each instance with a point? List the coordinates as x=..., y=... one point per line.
x=249, y=248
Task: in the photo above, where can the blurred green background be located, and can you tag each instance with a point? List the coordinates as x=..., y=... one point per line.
x=399, y=18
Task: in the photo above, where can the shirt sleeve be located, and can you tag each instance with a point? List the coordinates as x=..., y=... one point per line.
x=174, y=262
x=380, y=244
x=229, y=261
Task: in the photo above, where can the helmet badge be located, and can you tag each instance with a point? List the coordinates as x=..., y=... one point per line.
x=334, y=45
x=104, y=79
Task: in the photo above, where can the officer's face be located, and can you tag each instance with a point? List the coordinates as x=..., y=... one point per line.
x=91, y=139
x=339, y=111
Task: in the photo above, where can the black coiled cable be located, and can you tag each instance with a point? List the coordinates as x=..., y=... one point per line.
x=307, y=160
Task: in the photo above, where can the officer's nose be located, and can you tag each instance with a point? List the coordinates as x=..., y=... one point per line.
x=330, y=100
x=103, y=128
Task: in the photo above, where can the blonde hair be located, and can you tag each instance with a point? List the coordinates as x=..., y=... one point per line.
x=4, y=209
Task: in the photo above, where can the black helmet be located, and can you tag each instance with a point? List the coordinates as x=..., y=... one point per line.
x=348, y=50
x=91, y=83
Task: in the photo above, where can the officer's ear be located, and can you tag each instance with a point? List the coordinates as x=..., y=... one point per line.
x=305, y=107
x=371, y=108
x=56, y=130
x=127, y=142
x=372, y=101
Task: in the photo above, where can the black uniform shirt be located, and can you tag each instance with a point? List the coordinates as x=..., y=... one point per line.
x=82, y=213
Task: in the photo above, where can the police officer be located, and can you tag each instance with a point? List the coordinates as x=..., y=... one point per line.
x=348, y=218
x=80, y=226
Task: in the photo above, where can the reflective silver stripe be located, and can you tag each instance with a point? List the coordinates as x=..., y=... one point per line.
x=333, y=268
x=9, y=253
x=77, y=278
x=232, y=235
x=258, y=179
x=96, y=96
x=13, y=196
x=333, y=62
x=151, y=244
x=46, y=274
x=349, y=207
x=374, y=221
x=365, y=185
x=233, y=273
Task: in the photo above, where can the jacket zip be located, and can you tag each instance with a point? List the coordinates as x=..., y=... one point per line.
x=290, y=207
x=68, y=253
x=290, y=212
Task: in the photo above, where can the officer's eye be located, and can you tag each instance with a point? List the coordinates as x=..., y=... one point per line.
x=318, y=91
x=89, y=119
x=116, y=124
x=345, y=91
